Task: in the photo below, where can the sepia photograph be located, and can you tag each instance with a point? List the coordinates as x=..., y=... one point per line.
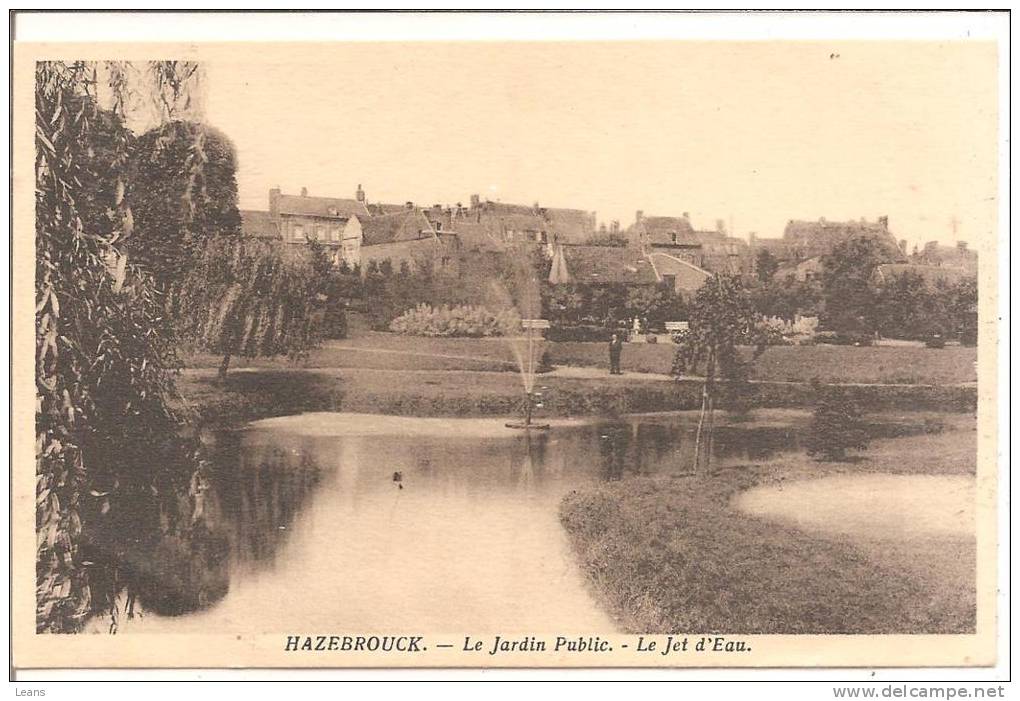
x=506, y=353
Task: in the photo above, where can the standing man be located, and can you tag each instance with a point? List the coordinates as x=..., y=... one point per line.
x=615, y=347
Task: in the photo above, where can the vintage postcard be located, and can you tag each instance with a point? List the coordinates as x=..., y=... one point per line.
x=673, y=353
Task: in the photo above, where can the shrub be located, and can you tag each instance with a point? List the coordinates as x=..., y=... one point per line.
x=461, y=320
x=836, y=428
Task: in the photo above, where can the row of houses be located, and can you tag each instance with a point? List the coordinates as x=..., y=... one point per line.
x=358, y=232
x=654, y=250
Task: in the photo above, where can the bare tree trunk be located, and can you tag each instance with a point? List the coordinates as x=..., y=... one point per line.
x=222, y=374
x=701, y=423
x=710, y=439
x=703, y=436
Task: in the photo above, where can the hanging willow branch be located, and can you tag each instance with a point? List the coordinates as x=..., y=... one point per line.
x=104, y=360
x=253, y=297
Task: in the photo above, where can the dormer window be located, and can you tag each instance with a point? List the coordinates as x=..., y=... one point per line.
x=333, y=211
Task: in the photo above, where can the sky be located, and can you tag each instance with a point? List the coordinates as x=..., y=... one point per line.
x=754, y=133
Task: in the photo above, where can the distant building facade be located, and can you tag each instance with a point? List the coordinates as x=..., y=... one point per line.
x=712, y=250
x=302, y=217
x=806, y=240
x=405, y=237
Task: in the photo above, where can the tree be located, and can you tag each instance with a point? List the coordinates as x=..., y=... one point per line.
x=183, y=194
x=962, y=309
x=565, y=304
x=720, y=319
x=787, y=298
x=765, y=265
x=104, y=360
x=906, y=307
x=847, y=289
x=253, y=297
x=836, y=428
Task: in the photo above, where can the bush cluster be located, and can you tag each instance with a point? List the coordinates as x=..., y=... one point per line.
x=782, y=332
x=460, y=320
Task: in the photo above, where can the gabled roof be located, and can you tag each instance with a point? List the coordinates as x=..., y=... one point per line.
x=667, y=231
x=562, y=224
x=569, y=225
x=378, y=208
x=813, y=238
x=596, y=265
x=931, y=274
x=474, y=232
x=258, y=224
x=522, y=222
x=328, y=207
x=953, y=256
x=489, y=207
x=407, y=225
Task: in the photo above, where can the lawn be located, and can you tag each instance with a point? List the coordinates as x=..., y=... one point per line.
x=828, y=364
x=672, y=555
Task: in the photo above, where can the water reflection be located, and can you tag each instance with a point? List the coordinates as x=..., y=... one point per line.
x=466, y=538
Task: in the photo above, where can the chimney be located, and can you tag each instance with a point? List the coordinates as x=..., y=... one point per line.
x=638, y=216
x=614, y=226
x=304, y=192
x=961, y=245
x=274, y=202
x=535, y=208
x=883, y=222
x=903, y=245
x=475, y=201
x=752, y=238
x=409, y=206
x=687, y=216
x=360, y=194
x=720, y=226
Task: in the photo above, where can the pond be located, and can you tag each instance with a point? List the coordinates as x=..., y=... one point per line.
x=378, y=523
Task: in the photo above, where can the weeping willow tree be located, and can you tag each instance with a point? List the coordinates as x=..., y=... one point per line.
x=104, y=357
x=253, y=297
x=721, y=318
x=180, y=161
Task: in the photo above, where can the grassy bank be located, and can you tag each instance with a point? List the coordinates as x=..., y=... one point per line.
x=255, y=393
x=672, y=555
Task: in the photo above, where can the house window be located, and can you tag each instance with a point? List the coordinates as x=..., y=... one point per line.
x=673, y=237
x=320, y=233
x=335, y=234
x=299, y=232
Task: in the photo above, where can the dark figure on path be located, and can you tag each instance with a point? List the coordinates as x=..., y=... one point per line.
x=615, y=347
